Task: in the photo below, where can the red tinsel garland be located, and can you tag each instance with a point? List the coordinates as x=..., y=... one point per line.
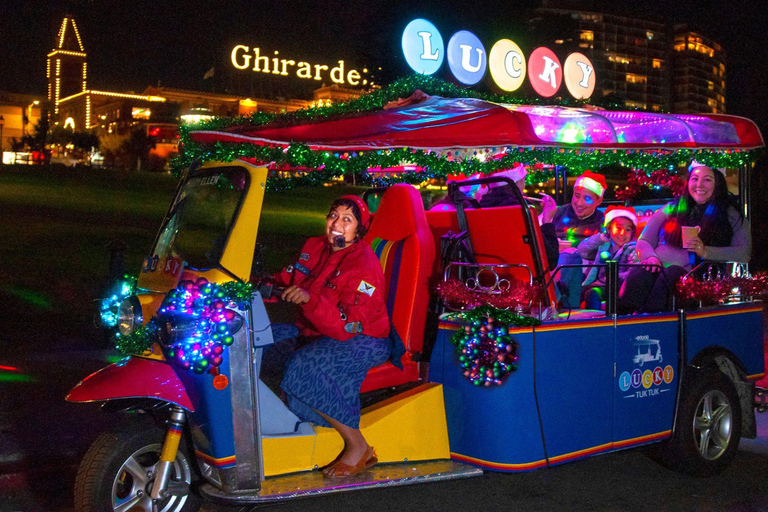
x=659, y=178
x=712, y=291
x=456, y=294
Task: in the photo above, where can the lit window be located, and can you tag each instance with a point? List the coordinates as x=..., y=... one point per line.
x=657, y=63
x=587, y=35
x=634, y=104
x=656, y=108
x=585, y=45
x=679, y=47
x=712, y=102
x=636, y=79
x=710, y=85
x=649, y=35
x=558, y=41
x=140, y=113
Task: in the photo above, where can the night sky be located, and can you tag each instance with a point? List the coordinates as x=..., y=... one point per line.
x=136, y=43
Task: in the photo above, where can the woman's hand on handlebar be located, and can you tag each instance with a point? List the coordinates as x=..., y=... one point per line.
x=295, y=295
x=651, y=261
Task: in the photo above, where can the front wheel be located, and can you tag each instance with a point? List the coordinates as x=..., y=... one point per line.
x=118, y=471
x=708, y=426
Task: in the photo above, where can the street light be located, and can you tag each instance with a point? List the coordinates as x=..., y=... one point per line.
x=25, y=118
x=2, y=122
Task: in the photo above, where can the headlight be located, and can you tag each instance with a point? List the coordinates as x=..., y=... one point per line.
x=175, y=327
x=129, y=315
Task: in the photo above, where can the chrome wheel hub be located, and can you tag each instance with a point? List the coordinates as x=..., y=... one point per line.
x=712, y=425
x=133, y=484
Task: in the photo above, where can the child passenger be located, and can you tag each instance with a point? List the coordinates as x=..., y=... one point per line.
x=617, y=244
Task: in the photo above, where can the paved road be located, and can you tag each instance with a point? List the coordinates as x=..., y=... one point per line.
x=42, y=439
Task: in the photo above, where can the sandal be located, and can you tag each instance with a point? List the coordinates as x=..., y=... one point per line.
x=342, y=470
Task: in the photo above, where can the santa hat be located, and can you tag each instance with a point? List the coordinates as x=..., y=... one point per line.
x=593, y=182
x=616, y=211
x=365, y=213
x=516, y=173
x=695, y=164
x=470, y=190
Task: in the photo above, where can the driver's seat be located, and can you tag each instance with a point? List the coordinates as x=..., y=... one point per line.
x=400, y=237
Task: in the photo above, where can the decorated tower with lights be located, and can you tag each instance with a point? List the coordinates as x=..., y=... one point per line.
x=66, y=67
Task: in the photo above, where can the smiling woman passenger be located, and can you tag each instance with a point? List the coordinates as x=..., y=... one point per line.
x=705, y=207
x=344, y=331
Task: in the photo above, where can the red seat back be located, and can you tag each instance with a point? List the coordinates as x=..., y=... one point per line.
x=498, y=235
x=400, y=237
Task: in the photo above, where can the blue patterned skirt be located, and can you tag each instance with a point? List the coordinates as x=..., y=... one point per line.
x=326, y=376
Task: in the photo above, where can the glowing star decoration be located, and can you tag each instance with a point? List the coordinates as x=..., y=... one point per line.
x=423, y=47
x=507, y=65
x=545, y=72
x=466, y=57
x=205, y=308
x=579, y=76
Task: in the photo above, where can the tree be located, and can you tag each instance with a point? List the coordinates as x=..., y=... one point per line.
x=137, y=148
x=85, y=141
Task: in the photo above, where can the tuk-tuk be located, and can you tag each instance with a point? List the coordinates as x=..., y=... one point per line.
x=561, y=387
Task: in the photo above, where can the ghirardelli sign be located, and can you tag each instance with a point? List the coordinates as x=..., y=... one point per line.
x=254, y=59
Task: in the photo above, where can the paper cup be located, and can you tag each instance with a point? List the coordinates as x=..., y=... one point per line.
x=689, y=232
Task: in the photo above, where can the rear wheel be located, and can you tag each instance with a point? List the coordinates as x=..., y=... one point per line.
x=118, y=471
x=708, y=426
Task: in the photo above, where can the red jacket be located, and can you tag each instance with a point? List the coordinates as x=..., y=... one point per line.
x=346, y=290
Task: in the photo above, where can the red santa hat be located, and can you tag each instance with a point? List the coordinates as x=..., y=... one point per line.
x=593, y=182
x=616, y=211
x=516, y=173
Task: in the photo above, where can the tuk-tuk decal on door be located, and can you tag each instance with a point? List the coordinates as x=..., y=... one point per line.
x=646, y=383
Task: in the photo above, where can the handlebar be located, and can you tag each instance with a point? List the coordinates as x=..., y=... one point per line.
x=268, y=291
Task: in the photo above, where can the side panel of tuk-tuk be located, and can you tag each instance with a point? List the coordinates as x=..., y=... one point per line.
x=496, y=427
x=646, y=381
x=737, y=329
x=574, y=377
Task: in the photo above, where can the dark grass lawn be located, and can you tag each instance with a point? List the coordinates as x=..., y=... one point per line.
x=57, y=224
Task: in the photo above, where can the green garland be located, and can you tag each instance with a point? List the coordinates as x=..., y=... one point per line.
x=502, y=315
x=330, y=164
x=139, y=341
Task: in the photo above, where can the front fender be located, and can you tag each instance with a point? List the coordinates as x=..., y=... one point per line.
x=136, y=378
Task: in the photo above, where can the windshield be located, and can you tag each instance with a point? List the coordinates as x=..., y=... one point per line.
x=198, y=226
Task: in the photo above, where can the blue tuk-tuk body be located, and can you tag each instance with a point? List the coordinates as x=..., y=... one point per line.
x=580, y=390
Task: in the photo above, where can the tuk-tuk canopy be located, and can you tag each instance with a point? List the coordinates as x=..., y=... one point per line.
x=448, y=130
x=437, y=123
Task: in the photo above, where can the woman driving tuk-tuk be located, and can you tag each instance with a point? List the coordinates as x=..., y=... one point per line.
x=345, y=331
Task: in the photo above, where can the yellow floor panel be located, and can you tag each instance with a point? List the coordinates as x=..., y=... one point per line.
x=410, y=426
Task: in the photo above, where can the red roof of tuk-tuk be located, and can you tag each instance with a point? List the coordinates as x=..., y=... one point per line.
x=433, y=122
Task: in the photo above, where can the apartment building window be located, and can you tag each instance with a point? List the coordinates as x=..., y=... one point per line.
x=632, y=78
x=649, y=35
x=657, y=63
x=587, y=35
